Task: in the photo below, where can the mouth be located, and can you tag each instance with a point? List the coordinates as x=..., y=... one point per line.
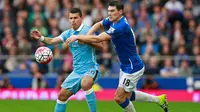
x=110, y=18
x=74, y=24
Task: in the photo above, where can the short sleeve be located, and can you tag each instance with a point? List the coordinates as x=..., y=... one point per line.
x=116, y=31
x=96, y=33
x=106, y=23
x=63, y=36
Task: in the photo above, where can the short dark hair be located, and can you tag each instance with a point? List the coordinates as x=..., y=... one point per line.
x=76, y=10
x=119, y=5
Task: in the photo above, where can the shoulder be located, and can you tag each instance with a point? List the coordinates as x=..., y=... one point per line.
x=124, y=22
x=106, y=20
x=86, y=27
x=65, y=33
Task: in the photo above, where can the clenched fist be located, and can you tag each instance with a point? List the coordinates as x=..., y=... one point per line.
x=36, y=34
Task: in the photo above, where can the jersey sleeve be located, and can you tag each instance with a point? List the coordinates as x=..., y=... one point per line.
x=96, y=33
x=116, y=31
x=106, y=23
x=63, y=36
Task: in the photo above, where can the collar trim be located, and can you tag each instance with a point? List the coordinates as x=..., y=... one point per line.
x=80, y=27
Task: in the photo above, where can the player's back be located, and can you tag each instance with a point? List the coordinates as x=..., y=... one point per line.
x=123, y=39
x=84, y=56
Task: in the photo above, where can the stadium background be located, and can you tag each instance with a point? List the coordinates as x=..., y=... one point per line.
x=168, y=40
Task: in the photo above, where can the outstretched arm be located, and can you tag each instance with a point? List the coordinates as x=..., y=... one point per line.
x=94, y=29
x=98, y=46
x=50, y=41
x=89, y=38
x=65, y=46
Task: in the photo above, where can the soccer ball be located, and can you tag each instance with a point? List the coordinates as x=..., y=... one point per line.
x=43, y=55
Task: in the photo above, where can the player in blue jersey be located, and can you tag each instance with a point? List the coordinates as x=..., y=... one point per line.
x=119, y=31
x=86, y=69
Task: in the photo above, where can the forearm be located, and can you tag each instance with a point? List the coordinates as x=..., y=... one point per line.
x=50, y=41
x=98, y=46
x=174, y=74
x=95, y=28
x=94, y=38
x=47, y=41
x=65, y=46
x=89, y=38
x=165, y=74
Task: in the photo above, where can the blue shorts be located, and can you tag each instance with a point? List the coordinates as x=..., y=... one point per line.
x=73, y=81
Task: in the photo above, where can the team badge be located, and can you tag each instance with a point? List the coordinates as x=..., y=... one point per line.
x=111, y=30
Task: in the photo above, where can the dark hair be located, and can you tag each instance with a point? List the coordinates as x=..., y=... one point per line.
x=76, y=10
x=119, y=5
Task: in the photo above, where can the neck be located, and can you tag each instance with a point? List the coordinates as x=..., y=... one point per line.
x=75, y=28
x=117, y=19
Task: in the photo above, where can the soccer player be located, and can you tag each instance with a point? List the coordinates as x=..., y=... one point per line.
x=86, y=69
x=119, y=31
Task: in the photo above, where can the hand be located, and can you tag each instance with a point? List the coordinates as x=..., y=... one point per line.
x=36, y=34
x=81, y=42
x=71, y=39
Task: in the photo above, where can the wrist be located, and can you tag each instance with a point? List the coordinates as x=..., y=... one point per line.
x=41, y=38
x=76, y=37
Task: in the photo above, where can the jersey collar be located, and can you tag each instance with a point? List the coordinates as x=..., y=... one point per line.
x=80, y=27
x=118, y=20
x=121, y=18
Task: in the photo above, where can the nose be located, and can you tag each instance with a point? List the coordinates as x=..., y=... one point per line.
x=109, y=13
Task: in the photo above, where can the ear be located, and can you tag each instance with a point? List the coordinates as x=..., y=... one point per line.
x=121, y=12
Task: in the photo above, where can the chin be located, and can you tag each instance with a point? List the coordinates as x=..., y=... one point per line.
x=74, y=27
x=111, y=20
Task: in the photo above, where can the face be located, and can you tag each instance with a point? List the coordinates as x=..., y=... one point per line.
x=75, y=20
x=168, y=63
x=114, y=14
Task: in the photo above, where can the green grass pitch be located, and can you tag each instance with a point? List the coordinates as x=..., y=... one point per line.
x=81, y=106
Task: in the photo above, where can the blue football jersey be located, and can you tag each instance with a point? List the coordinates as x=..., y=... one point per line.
x=124, y=42
x=84, y=56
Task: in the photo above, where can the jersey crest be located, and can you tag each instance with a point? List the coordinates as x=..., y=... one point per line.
x=111, y=30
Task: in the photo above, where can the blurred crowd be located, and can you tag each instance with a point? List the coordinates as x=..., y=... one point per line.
x=167, y=34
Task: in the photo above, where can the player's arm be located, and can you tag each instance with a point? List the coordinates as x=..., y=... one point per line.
x=65, y=46
x=89, y=38
x=96, y=45
x=50, y=41
x=95, y=28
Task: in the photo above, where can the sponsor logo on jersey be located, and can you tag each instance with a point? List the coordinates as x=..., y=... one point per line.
x=111, y=30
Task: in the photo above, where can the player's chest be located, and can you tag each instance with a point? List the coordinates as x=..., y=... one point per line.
x=75, y=44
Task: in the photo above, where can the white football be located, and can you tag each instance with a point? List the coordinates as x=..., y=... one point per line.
x=43, y=55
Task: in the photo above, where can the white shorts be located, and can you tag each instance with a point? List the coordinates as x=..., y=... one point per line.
x=129, y=81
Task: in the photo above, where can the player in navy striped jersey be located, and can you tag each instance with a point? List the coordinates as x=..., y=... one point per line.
x=119, y=31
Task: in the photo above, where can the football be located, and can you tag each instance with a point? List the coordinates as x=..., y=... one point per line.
x=43, y=55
